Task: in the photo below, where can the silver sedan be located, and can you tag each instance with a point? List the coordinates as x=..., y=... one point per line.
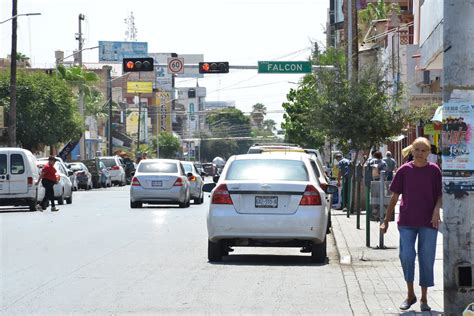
x=160, y=181
x=195, y=182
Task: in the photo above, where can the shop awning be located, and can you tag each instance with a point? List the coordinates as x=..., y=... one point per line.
x=438, y=116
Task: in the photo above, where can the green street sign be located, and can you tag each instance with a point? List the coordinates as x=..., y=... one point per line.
x=284, y=67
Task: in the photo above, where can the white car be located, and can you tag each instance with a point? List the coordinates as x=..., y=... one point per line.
x=268, y=200
x=195, y=182
x=115, y=165
x=159, y=181
x=62, y=189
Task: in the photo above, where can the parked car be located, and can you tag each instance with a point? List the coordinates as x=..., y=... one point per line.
x=62, y=189
x=116, y=167
x=99, y=172
x=195, y=182
x=160, y=181
x=268, y=200
x=18, y=178
x=83, y=176
x=68, y=172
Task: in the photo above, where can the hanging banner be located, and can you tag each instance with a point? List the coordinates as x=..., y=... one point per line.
x=163, y=102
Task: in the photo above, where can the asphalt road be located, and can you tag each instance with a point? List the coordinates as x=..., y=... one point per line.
x=98, y=256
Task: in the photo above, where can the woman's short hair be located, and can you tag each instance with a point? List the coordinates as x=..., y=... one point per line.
x=422, y=140
x=377, y=155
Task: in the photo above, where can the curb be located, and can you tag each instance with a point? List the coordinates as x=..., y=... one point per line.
x=341, y=244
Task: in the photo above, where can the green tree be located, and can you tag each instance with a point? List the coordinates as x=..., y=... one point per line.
x=23, y=60
x=82, y=80
x=269, y=125
x=46, y=113
x=168, y=145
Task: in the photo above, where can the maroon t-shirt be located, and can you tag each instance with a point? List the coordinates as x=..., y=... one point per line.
x=420, y=188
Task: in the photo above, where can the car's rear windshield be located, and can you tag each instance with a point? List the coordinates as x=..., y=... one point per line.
x=76, y=167
x=187, y=167
x=109, y=162
x=267, y=170
x=164, y=167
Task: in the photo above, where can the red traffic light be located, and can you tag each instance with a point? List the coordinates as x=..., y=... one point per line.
x=137, y=64
x=220, y=67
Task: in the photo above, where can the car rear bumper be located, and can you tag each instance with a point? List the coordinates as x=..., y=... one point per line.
x=173, y=195
x=305, y=224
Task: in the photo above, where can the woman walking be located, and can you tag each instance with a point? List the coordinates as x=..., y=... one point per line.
x=419, y=184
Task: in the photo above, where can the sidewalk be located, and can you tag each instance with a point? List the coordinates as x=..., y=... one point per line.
x=374, y=277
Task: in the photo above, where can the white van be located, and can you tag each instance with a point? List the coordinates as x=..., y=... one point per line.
x=18, y=178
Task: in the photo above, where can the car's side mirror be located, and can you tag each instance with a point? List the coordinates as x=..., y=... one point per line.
x=208, y=187
x=189, y=174
x=70, y=172
x=203, y=174
x=331, y=189
x=216, y=178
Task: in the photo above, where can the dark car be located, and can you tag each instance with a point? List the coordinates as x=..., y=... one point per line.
x=100, y=175
x=129, y=169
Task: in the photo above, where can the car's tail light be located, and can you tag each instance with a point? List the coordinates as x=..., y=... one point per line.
x=221, y=195
x=178, y=182
x=115, y=168
x=135, y=182
x=30, y=181
x=310, y=196
x=192, y=178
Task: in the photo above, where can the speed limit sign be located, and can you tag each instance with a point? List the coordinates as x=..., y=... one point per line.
x=176, y=65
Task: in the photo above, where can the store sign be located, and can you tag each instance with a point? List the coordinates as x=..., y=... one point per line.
x=163, y=101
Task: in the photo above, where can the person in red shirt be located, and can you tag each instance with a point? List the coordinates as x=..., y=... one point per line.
x=48, y=179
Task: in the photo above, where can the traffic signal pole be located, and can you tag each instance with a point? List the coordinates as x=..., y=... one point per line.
x=458, y=211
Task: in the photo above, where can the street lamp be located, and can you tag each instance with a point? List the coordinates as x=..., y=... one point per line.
x=12, y=110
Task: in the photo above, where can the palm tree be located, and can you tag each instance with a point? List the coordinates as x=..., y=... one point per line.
x=258, y=113
x=22, y=60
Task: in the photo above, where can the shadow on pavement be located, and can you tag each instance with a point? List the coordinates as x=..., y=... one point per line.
x=430, y=313
x=268, y=260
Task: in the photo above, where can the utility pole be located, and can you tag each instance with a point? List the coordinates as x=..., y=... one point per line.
x=82, y=145
x=458, y=215
x=12, y=110
x=109, y=103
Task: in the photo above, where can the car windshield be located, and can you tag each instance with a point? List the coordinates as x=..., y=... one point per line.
x=109, y=162
x=162, y=167
x=267, y=169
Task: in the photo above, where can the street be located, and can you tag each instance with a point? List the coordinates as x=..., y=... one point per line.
x=98, y=256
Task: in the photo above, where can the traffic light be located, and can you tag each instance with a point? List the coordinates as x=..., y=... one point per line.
x=137, y=64
x=221, y=67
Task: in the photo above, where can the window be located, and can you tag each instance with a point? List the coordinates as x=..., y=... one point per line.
x=188, y=168
x=268, y=169
x=3, y=164
x=161, y=167
x=109, y=162
x=17, y=164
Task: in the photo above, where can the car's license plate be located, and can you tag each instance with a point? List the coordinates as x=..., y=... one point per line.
x=156, y=183
x=266, y=201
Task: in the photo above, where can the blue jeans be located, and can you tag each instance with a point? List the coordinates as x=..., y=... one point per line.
x=426, y=253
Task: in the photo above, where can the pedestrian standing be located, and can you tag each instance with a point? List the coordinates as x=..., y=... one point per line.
x=48, y=179
x=344, y=173
x=391, y=166
x=419, y=184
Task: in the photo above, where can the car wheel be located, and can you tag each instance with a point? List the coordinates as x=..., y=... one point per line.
x=214, y=251
x=61, y=199
x=188, y=203
x=182, y=205
x=32, y=205
x=136, y=204
x=318, y=252
x=69, y=199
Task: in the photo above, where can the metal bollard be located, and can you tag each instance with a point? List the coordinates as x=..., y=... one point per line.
x=382, y=209
x=368, y=214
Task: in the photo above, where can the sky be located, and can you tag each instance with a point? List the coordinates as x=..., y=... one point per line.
x=242, y=32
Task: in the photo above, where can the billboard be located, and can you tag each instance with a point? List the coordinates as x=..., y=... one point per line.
x=115, y=51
